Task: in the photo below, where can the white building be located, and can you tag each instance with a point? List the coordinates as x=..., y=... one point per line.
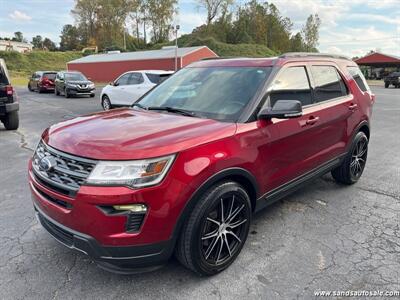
x=15, y=46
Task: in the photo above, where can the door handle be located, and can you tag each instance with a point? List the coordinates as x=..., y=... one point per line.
x=353, y=106
x=312, y=120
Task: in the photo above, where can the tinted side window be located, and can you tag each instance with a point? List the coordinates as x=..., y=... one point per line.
x=328, y=83
x=136, y=78
x=359, y=78
x=124, y=80
x=291, y=84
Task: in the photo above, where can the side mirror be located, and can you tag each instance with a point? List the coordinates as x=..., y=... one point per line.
x=282, y=109
x=114, y=83
x=89, y=78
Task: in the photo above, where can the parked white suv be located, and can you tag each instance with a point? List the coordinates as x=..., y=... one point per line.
x=130, y=86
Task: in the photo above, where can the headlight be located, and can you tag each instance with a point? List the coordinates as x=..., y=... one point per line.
x=91, y=85
x=71, y=85
x=134, y=173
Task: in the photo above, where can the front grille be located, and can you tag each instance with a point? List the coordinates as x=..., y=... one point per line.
x=68, y=173
x=134, y=222
x=59, y=233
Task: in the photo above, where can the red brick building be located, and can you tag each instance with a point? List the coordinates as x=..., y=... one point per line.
x=107, y=67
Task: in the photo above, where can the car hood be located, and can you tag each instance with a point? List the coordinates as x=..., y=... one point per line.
x=125, y=134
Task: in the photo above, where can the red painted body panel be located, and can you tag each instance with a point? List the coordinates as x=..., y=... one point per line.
x=274, y=152
x=127, y=134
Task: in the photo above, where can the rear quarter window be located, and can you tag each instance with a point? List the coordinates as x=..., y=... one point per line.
x=359, y=78
x=157, y=78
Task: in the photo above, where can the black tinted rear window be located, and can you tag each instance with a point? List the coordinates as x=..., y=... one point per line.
x=359, y=78
x=157, y=78
x=3, y=75
x=50, y=76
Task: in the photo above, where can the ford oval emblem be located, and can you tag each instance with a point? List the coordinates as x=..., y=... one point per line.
x=47, y=163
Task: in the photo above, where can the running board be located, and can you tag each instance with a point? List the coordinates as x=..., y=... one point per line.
x=288, y=188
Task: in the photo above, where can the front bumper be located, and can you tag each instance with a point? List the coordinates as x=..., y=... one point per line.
x=6, y=108
x=77, y=91
x=117, y=259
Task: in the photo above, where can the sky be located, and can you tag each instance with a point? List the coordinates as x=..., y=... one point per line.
x=351, y=28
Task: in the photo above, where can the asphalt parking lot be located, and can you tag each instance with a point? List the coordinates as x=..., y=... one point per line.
x=324, y=237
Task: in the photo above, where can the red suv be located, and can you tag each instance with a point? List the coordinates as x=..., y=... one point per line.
x=186, y=166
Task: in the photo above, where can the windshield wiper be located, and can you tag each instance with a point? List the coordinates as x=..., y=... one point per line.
x=138, y=105
x=173, y=110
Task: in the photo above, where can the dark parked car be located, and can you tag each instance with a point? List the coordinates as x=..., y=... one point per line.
x=8, y=100
x=392, y=79
x=73, y=84
x=184, y=169
x=42, y=81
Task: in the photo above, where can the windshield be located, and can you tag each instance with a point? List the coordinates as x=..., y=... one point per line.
x=75, y=77
x=219, y=93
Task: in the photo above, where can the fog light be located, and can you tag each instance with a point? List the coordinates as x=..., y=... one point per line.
x=138, y=208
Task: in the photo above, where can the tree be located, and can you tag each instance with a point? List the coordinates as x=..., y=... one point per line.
x=70, y=38
x=139, y=17
x=18, y=37
x=310, y=33
x=160, y=15
x=86, y=13
x=297, y=43
x=37, y=42
x=49, y=44
x=214, y=7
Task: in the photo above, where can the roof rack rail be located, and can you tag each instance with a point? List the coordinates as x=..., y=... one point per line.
x=221, y=57
x=312, y=54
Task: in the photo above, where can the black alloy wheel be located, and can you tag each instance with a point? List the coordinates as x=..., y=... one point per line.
x=216, y=229
x=353, y=165
x=224, y=229
x=358, y=158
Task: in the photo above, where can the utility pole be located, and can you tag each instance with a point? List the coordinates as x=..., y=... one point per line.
x=124, y=39
x=177, y=27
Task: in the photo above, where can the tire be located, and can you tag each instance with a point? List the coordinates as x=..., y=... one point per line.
x=91, y=95
x=386, y=85
x=11, y=121
x=29, y=87
x=353, y=165
x=40, y=90
x=56, y=91
x=206, y=247
x=106, y=103
x=66, y=94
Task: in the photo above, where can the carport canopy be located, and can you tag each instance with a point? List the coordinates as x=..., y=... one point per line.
x=379, y=60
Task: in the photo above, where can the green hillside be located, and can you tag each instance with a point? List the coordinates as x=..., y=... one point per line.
x=21, y=66
x=232, y=50
x=222, y=49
